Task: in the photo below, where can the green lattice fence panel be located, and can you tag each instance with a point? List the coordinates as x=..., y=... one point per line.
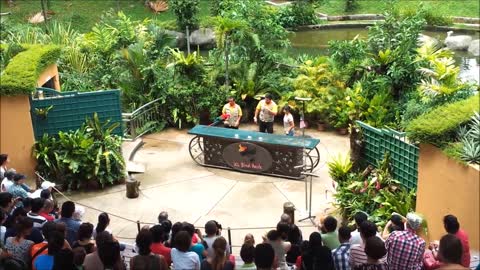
x=70, y=109
x=403, y=155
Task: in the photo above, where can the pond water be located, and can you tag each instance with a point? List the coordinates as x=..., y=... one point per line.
x=315, y=42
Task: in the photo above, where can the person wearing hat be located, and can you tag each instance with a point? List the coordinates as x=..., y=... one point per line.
x=405, y=249
x=46, y=185
x=17, y=190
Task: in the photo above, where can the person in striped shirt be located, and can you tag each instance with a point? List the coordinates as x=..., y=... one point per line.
x=342, y=253
x=357, y=252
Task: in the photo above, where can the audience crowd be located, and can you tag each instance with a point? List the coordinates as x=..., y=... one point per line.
x=34, y=234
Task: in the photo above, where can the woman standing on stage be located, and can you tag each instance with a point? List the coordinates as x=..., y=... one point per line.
x=288, y=123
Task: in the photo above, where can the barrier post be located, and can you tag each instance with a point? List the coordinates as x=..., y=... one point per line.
x=138, y=225
x=229, y=239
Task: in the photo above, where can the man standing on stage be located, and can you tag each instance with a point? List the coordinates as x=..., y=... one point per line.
x=233, y=113
x=267, y=109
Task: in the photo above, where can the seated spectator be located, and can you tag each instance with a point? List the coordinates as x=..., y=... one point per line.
x=42, y=248
x=182, y=258
x=17, y=190
x=249, y=239
x=294, y=237
x=280, y=247
x=330, y=238
x=212, y=233
x=359, y=218
x=47, y=209
x=79, y=255
x=145, y=260
x=177, y=227
x=375, y=250
x=157, y=246
x=72, y=225
x=107, y=255
x=45, y=188
x=452, y=226
x=35, y=233
x=450, y=253
x=103, y=222
x=4, y=160
x=247, y=254
x=264, y=257
x=55, y=244
x=316, y=255
x=78, y=214
x=19, y=246
x=405, y=248
x=195, y=247
x=357, y=252
x=34, y=214
x=394, y=224
x=6, y=203
x=3, y=229
x=85, y=232
x=220, y=260
x=64, y=260
x=341, y=255
x=7, y=180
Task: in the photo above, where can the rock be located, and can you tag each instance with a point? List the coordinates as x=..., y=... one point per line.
x=424, y=39
x=474, y=47
x=457, y=43
x=180, y=40
x=37, y=18
x=203, y=37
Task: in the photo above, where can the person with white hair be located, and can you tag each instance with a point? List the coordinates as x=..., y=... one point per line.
x=405, y=249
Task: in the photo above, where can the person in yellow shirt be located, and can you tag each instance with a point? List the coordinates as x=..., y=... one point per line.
x=265, y=111
x=233, y=112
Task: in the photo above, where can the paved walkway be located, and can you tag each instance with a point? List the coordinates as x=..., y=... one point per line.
x=173, y=182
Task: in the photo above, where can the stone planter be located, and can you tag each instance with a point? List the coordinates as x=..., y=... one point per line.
x=322, y=126
x=342, y=131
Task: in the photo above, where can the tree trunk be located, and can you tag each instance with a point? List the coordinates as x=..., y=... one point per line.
x=132, y=188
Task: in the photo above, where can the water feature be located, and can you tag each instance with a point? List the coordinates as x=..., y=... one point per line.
x=315, y=42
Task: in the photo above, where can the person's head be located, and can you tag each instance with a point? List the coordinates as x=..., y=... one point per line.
x=268, y=98
x=375, y=248
x=211, y=228
x=315, y=240
x=183, y=241
x=273, y=235
x=283, y=229
x=157, y=234
x=397, y=223
x=175, y=229
x=231, y=101
x=85, y=231
x=167, y=226
x=9, y=174
x=47, y=228
x=294, y=235
x=188, y=227
x=219, y=248
x=108, y=249
x=359, y=218
x=23, y=226
x=287, y=109
x=162, y=216
x=103, y=237
x=18, y=212
x=285, y=218
x=103, y=221
x=47, y=206
x=367, y=229
x=37, y=205
x=450, y=223
x=55, y=242
x=264, y=256
x=144, y=240
x=344, y=234
x=247, y=253
x=68, y=208
x=4, y=159
x=79, y=212
x=249, y=239
x=6, y=200
x=450, y=249
x=45, y=194
x=19, y=178
x=330, y=224
x=414, y=222
x=27, y=204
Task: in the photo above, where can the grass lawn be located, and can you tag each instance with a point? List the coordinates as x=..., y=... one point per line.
x=463, y=8
x=83, y=14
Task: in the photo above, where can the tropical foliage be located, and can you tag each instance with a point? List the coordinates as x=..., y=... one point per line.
x=89, y=156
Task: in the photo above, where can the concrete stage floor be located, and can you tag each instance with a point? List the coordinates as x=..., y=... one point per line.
x=175, y=183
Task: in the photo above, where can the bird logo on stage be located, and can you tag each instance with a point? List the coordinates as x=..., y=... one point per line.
x=245, y=150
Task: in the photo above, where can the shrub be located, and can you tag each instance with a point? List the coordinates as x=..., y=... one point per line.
x=297, y=14
x=186, y=12
x=439, y=126
x=21, y=74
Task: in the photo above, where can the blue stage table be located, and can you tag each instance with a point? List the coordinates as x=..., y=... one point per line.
x=253, y=152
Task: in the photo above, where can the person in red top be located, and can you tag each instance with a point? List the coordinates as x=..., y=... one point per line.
x=157, y=246
x=452, y=226
x=47, y=208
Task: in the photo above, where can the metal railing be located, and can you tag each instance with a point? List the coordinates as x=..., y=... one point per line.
x=142, y=120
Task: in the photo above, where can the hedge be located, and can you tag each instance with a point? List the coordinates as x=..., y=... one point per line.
x=439, y=126
x=21, y=74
